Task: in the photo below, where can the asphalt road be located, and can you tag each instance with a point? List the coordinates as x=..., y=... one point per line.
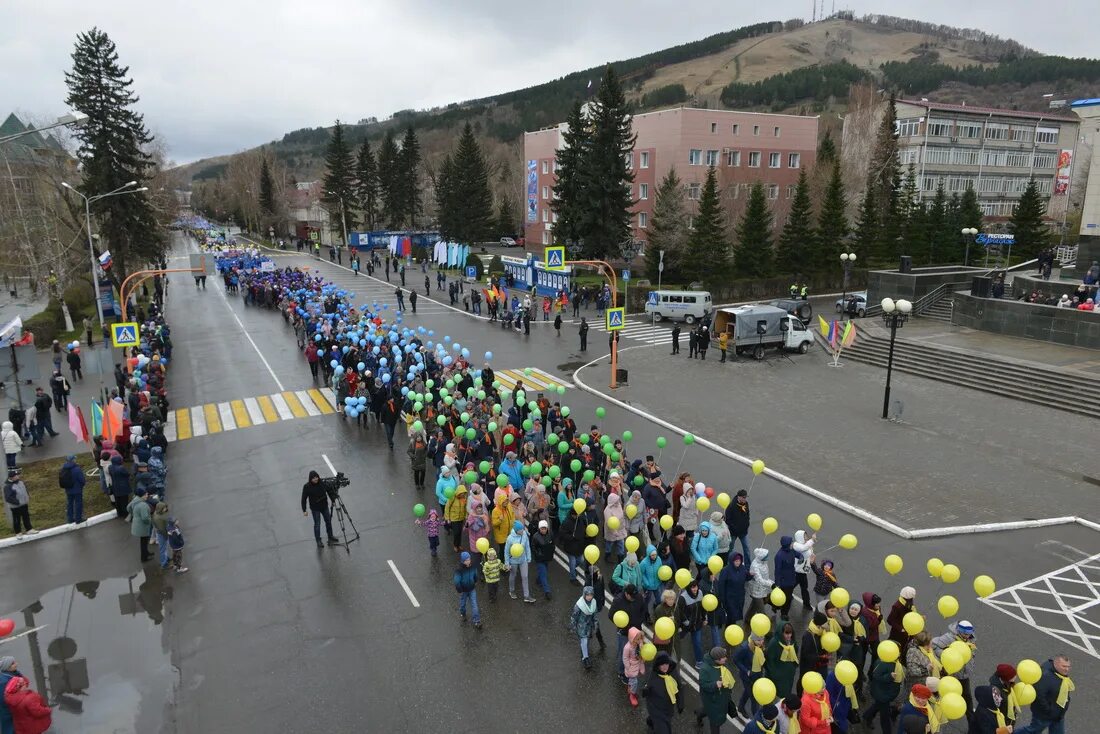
x=268, y=632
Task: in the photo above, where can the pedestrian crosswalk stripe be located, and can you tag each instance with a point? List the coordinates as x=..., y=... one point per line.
x=198, y=421
x=330, y=396
x=320, y=401
x=210, y=414
x=270, y=416
x=254, y=412
x=281, y=407
x=170, y=426
x=225, y=413
x=183, y=424
x=538, y=380
x=307, y=403
x=240, y=413
x=294, y=404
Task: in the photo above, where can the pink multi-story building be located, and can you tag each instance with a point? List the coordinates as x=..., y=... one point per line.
x=744, y=148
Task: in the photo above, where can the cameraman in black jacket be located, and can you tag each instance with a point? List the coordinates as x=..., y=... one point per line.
x=317, y=495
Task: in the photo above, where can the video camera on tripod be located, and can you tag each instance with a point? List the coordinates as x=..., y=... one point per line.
x=332, y=488
x=332, y=484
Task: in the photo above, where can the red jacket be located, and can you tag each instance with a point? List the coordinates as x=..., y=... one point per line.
x=810, y=715
x=29, y=712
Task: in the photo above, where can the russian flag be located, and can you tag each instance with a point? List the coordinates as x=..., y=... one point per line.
x=105, y=260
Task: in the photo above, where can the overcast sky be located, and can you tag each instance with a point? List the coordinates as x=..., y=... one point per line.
x=217, y=77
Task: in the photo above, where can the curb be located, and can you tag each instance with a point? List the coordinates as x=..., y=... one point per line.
x=59, y=530
x=908, y=534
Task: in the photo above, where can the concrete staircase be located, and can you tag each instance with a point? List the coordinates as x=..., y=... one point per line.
x=1068, y=390
x=940, y=310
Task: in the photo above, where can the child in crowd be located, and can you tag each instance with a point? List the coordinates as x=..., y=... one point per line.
x=431, y=526
x=175, y=545
x=491, y=571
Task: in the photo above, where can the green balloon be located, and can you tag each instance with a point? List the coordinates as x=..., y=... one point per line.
x=471, y=434
x=639, y=480
x=450, y=384
x=478, y=382
x=509, y=439
x=662, y=442
x=418, y=510
x=575, y=465
x=605, y=439
x=470, y=477
x=546, y=481
x=615, y=456
x=528, y=425
x=554, y=472
x=589, y=475
x=521, y=396
x=628, y=436
x=553, y=439
x=449, y=400
x=536, y=413
x=496, y=408
x=601, y=412
x=565, y=412
x=502, y=480
x=449, y=492
x=428, y=397
x=492, y=426
x=561, y=389
x=469, y=392
x=418, y=426
x=532, y=405
x=429, y=384
x=525, y=470
x=484, y=467
x=444, y=391
x=440, y=420
x=563, y=447
x=584, y=437
x=480, y=394
x=496, y=384
x=527, y=371
x=465, y=417
x=688, y=439
x=418, y=406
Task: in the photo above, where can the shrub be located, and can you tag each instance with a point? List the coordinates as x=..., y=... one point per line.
x=46, y=325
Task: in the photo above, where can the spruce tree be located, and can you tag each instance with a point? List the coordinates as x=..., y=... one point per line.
x=472, y=197
x=891, y=222
x=339, y=193
x=267, y=197
x=506, y=216
x=569, y=191
x=408, y=180
x=908, y=201
x=668, y=230
x=826, y=150
x=752, y=257
x=112, y=152
x=832, y=224
x=706, y=256
x=607, y=201
x=936, y=227
x=867, y=227
x=367, y=185
x=388, y=182
x=446, y=203
x=970, y=212
x=1027, y=224
x=796, y=241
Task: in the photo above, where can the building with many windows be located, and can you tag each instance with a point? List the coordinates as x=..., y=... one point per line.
x=744, y=148
x=994, y=151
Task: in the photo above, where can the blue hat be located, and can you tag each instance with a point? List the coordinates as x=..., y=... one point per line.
x=464, y=556
x=517, y=526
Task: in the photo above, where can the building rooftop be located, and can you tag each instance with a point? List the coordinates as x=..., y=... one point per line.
x=28, y=147
x=679, y=108
x=944, y=107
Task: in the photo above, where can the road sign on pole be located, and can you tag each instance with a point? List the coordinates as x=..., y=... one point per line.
x=616, y=318
x=555, y=258
x=125, y=334
x=626, y=275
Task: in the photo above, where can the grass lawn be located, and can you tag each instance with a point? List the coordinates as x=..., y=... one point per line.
x=48, y=499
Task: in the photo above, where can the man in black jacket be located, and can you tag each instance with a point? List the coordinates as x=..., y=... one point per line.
x=630, y=601
x=737, y=520
x=542, y=553
x=1048, y=710
x=314, y=493
x=43, y=403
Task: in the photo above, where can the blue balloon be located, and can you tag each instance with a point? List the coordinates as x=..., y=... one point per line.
x=488, y=356
x=352, y=412
x=339, y=370
x=447, y=361
x=361, y=366
x=345, y=348
x=405, y=390
x=317, y=338
x=383, y=362
x=466, y=353
x=447, y=339
x=376, y=350
x=386, y=377
x=349, y=400
x=362, y=400
x=333, y=364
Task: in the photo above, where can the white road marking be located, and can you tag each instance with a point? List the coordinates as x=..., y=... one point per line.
x=307, y=402
x=284, y=411
x=225, y=412
x=198, y=421
x=170, y=427
x=254, y=411
x=329, y=395
x=401, y=580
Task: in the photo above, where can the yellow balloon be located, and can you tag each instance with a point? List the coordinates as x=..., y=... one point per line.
x=723, y=500
x=777, y=597
x=613, y=523
x=734, y=635
x=592, y=530
x=848, y=541
x=664, y=628
x=702, y=504
x=664, y=573
x=963, y=649
x=913, y=623
x=950, y=684
x=953, y=706
x=631, y=511
x=1025, y=693
x=935, y=567
x=591, y=554
x=649, y=651
x=770, y=525
x=710, y=602
x=482, y=545
x=952, y=661
x=839, y=597
x=758, y=467
x=948, y=606
x=984, y=586
x=846, y=672
x=579, y=505
x=683, y=578
x=666, y=522
x=714, y=563
x=760, y=624
x=632, y=544
x=621, y=619
x=814, y=521
x=763, y=690
x=830, y=642
x=1028, y=671
x=888, y=651
x=812, y=682
x=950, y=573
x=893, y=564
x=516, y=550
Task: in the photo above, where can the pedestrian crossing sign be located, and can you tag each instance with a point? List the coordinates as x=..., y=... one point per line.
x=125, y=334
x=616, y=318
x=555, y=258
x=651, y=299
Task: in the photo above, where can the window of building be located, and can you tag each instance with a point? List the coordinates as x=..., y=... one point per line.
x=1043, y=186
x=712, y=157
x=736, y=129
x=790, y=190
x=643, y=159
x=554, y=218
x=968, y=130
x=714, y=127
x=965, y=156
x=1021, y=134
x=939, y=128
x=908, y=128
x=997, y=208
x=773, y=191
x=994, y=157
x=695, y=157
x=908, y=155
x=557, y=166
x=794, y=160
x=643, y=191
x=996, y=131
x=1018, y=159
x=695, y=191
x=643, y=220
x=774, y=160
x=545, y=237
x=755, y=129
x=775, y=132
x=754, y=159
x=1045, y=160
x=546, y=215
x=733, y=158
x=1046, y=135
x=546, y=192
x=958, y=184
x=937, y=154
x=545, y=167
x=991, y=184
x=928, y=183
x=1016, y=184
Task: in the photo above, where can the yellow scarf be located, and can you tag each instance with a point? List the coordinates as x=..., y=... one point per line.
x=815, y=629
x=793, y=727
x=788, y=655
x=834, y=626
x=1000, y=718
x=775, y=727
x=757, y=659
x=670, y=685
x=1066, y=689
x=850, y=692
x=899, y=672
x=857, y=628
x=933, y=720
x=727, y=679
x=883, y=628
x=933, y=664
x=826, y=711
x=1013, y=706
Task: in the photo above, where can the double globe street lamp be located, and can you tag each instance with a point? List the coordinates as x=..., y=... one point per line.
x=894, y=315
x=847, y=260
x=969, y=233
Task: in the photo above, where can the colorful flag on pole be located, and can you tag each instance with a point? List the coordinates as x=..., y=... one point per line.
x=824, y=326
x=833, y=334
x=76, y=424
x=105, y=260
x=849, y=336
x=112, y=420
x=97, y=418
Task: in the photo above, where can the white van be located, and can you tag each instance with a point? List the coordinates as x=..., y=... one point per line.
x=689, y=306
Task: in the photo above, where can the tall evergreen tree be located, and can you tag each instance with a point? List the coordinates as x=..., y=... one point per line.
x=970, y=212
x=892, y=223
x=1027, y=224
x=668, y=230
x=832, y=224
x=389, y=175
x=569, y=190
x=506, y=216
x=936, y=228
x=339, y=193
x=446, y=200
x=752, y=256
x=826, y=150
x=796, y=240
x=267, y=191
x=408, y=182
x=883, y=170
x=367, y=185
x=607, y=178
x=867, y=230
x=472, y=196
x=706, y=256
x=113, y=144
x=908, y=200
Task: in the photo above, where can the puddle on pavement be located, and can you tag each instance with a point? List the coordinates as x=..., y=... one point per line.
x=96, y=651
x=570, y=367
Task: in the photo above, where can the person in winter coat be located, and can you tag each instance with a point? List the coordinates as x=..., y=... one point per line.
x=721, y=533
x=627, y=572
x=542, y=551
x=781, y=660
x=9, y=671
x=513, y=469
x=815, y=717
x=662, y=695
x=477, y=527
x=960, y=631
x=680, y=547
x=804, y=545
x=738, y=519
x=785, y=578
x=160, y=520
x=884, y=687
x=760, y=582
x=766, y=721
x=842, y=705
x=583, y=622
x=650, y=566
x=715, y=689
x=635, y=526
x=519, y=563
x=826, y=578
x=988, y=717
x=688, y=517
x=811, y=655
x=445, y=481
x=1003, y=679
x=921, y=660
x=703, y=546
x=730, y=588
x=917, y=705
x=873, y=623
x=898, y=610
x=11, y=441
x=30, y=714
x=502, y=520
x=749, y=658
x=691, y=618
x=633, y=665
x=141, y=522
x=120, y=485
x=418, y=458
x=614, y=539
x=1052, y=698
x=17, y=500
x=454, y=515
x=572, y=539
x=490, y=570
x=465, y=581
x=159, y=471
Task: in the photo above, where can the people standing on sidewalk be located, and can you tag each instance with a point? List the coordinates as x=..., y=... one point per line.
x=676, y=338
x=71, y=479
x=43, y=404
x=12, y=443
x=141, y=521
x=17, y=499
x=59, y=386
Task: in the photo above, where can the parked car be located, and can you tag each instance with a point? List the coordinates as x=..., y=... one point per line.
x=860, y=299
x=795, y=307
x=508, y=242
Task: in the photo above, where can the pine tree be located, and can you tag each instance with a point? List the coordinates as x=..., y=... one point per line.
x=826, y=150
x=832, y=224
x=1027, y=222
x=472, y=197
x=388, y=182
x=668, y=230
x=446, y=203
x=367, y=185
x=867, y=227
x=891, y=224
x=506, y=216
x=112, y=153
x=267, y=190
x=752, y=256
x=970, y=212
x=569, y=194
x=606, y=213
x=936, y=227
x=339, y=193
x=796, y=240
x=706, y=256
x=408, y=181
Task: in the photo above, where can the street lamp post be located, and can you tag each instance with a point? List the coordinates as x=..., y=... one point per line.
x=847, y=260
x=969, y=233
x=894, y=315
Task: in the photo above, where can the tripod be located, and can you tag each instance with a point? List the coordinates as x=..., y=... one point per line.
x=342, y=515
